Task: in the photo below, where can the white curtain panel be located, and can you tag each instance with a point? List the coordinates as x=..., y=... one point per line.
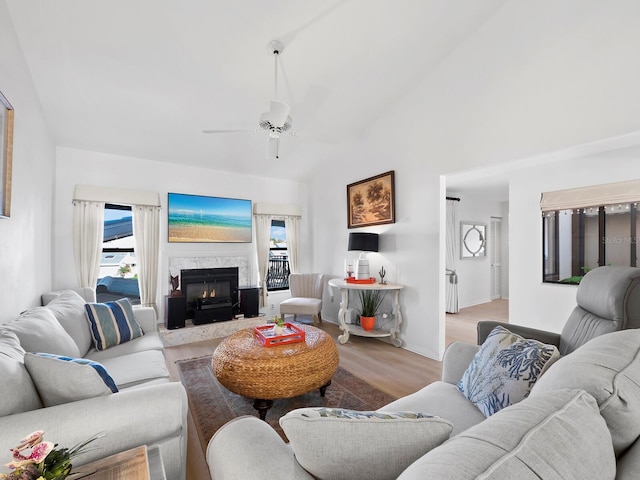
x=263, y=236
x=146, y=231
x=452, y=276
x=88, y=232
x=292, y=230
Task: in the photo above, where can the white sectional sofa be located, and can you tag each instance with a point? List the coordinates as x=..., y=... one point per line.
x=67, y=400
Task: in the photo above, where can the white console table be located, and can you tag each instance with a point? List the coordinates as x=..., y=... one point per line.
x=345, y=287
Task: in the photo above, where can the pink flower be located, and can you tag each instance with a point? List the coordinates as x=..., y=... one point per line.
x=39, y=450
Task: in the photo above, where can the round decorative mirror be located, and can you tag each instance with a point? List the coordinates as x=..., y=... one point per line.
x=473, y=240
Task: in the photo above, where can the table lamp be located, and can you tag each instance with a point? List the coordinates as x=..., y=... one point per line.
x=363, y=242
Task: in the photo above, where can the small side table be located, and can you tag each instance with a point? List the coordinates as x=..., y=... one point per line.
x=140, y=463
x=348, y=329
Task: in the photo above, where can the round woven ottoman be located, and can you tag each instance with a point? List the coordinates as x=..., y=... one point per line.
x=246, y=367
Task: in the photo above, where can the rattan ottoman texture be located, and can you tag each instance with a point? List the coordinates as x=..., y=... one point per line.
x=246, y=367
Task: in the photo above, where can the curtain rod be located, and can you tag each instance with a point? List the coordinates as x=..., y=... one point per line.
x=453, y=198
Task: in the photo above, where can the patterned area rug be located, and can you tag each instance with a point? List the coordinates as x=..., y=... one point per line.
x=212, y=405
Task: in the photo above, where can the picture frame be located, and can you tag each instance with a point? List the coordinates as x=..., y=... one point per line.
x=208, y=219
x=6, y=150
x=371, y=201
x=473, y=240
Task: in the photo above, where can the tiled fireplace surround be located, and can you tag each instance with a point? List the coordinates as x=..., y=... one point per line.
x=194, y=333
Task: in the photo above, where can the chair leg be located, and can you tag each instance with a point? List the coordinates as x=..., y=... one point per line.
x=295, y=317
x=315, y=320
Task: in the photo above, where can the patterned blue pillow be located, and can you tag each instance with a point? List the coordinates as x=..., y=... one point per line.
x=61, y=379
x=504, y=370
x=112, y=323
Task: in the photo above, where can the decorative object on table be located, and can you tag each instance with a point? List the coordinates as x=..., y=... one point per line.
x=268, y=337
x=175, y=283
x=370, y=301
x=348, y=269
x=6, y=154
x=382, y=272
x=473, y=240
x=364, y=281
x=371, y=201
x=35, y=459
x=279, y=321
x=363, y=242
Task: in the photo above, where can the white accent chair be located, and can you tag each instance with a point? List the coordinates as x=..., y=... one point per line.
x=306, y=296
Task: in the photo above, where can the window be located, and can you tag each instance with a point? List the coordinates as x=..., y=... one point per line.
x=578, y=240
x=278, y=272
x=118, y=276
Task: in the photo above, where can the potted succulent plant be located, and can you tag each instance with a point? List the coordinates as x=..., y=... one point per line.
x=370, y=301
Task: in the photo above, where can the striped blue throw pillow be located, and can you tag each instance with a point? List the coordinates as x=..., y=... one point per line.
x=112, y=323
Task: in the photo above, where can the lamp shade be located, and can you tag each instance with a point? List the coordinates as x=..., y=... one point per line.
x=366, y=242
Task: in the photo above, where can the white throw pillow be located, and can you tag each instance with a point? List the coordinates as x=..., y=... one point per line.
x=332, y=443
x=19, y=394
x=62, y=379
x=39, y=331
x=68, y=308
x=504, y=370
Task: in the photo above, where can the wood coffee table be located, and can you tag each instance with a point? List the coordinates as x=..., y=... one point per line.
x=246, y=367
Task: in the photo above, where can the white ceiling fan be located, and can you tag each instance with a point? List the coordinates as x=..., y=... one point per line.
x=277, y=120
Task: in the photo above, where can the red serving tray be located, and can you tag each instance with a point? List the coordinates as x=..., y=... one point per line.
x=265, y=335
x=353, y=280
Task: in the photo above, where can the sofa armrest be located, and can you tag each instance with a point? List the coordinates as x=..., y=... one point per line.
x=484, y=328
x=248, y=447
x=457, y=358
x=141, y=416
x=146, y=317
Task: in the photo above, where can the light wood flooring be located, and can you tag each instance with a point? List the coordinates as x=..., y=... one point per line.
x=394, y=370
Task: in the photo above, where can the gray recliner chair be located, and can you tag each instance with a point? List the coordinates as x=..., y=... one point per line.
x=608, y=300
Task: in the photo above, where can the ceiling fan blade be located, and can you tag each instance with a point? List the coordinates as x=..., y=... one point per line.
x=273, y=147
x=278, y=113
x=227, y=131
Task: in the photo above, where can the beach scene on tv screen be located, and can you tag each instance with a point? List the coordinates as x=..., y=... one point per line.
x=196, y=218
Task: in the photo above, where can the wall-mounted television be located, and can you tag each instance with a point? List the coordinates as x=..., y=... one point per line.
x=203, y=219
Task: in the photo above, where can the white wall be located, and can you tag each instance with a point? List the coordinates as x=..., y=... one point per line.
x=530, y=81
x=25, y=237
x=532, y=302
x=101, y=169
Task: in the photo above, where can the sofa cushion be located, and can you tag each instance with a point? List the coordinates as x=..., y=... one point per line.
x=608, y=367
x=149, y=341
x=337, y=444
x=61, y=379
x=68, y=308
x=19, y=394
x=557, y=435
x=112, y=323
x=39, y=331
x=136, y=368
x=504, y=370
x=442, y=399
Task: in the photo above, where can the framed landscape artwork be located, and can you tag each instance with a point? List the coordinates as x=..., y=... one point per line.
x=371, y=201
x=203, y=219
x=6, y=152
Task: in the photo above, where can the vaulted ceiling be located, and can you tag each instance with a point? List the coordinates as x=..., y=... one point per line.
x=143, y=78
